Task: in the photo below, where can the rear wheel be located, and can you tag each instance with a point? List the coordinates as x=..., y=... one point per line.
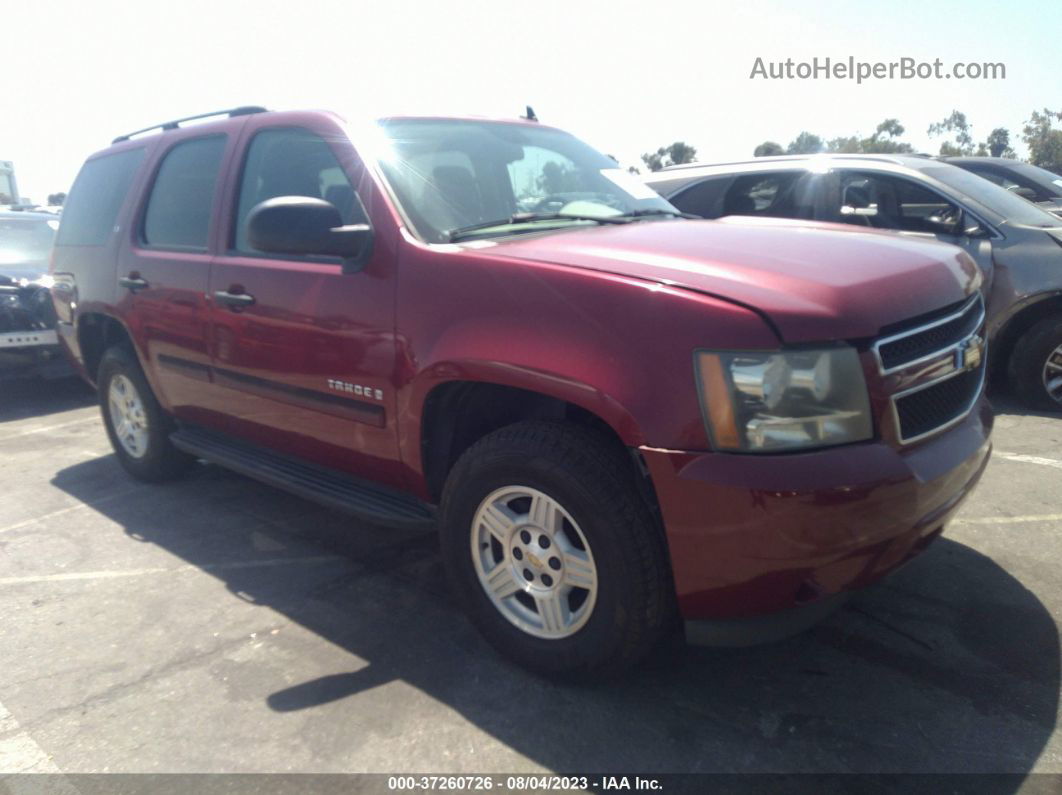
x=137, y=426
x=1036, y=365
x=552, y=551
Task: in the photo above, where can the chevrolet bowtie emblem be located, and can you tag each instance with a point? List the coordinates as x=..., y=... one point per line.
x=968, y=355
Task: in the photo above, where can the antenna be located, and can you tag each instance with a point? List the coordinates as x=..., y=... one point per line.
x=529, y=114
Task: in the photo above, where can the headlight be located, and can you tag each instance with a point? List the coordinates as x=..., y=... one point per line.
x=783, y=400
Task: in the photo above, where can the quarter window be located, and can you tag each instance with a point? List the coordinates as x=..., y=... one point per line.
x=292, y=162
x=179, y=208
x=90, y=212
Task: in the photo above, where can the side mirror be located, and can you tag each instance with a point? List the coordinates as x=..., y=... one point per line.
x=948, y=221
x=971, y=228
x=304, y=225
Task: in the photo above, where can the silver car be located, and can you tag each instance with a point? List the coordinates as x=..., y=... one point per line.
x=1017, y=244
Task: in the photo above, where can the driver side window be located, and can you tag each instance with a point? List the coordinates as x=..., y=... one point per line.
x=882, y=201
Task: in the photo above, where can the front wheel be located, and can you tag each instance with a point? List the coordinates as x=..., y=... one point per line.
x=552, y=551
x=1036, y=365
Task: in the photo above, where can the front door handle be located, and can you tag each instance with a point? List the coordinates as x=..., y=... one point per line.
x=133, y=282
x=233, y=300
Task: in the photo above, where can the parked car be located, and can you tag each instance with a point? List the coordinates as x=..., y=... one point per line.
x=1032, y=183
x=615, y=416
x=28, y=343
x=1017, y=245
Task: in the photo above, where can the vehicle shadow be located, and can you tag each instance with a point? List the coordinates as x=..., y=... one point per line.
x=949, y=666
x=1006, y=405
x=37, y=397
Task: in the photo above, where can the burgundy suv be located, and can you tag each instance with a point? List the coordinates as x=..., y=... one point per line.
x=616, y=416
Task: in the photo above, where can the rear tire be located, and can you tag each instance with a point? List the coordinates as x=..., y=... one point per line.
x=552, y=551
x=1036, y=365
x=137, y=426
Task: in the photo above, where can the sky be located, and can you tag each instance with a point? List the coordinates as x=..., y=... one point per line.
x=626, y=77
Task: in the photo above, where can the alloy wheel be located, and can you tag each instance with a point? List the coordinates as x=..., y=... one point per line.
x=127, y=416
x=534, y=562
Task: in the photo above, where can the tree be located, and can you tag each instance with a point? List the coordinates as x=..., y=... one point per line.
x=56, y=199
x=1043, y=140
x=955, y=123
x=883, y=141
x=677, y=153
x=847, y=145
x=998, y=143
x=768, y=149
x=805, y=144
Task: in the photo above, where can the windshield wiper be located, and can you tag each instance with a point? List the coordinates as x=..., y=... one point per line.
x=657, y=211
x=454, y=235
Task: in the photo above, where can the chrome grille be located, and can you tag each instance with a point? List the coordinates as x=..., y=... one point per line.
x=924, y=411
x=929, y=339
x=936, y=370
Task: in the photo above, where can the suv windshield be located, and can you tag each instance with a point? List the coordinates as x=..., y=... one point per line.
x=452, y=175
x=999, y=200
x=26, y=240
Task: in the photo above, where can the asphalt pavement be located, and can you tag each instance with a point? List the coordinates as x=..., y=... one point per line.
x=217, y=625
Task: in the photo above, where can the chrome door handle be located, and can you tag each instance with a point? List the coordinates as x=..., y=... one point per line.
x=133, y=282
x=233, y=300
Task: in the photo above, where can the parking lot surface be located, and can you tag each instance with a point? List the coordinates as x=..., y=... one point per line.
x=217, y=625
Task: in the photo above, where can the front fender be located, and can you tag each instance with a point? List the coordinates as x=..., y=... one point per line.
x=617, y=346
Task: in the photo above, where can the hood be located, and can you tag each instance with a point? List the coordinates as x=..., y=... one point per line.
x=813, y=281
x=17, y=271
x=18, y=263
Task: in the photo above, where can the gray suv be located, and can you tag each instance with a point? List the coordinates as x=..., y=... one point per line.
x=1017, y=245
x=1026, y=180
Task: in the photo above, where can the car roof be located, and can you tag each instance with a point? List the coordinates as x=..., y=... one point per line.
x=217, y=121
x=973, y=160
x=673, y=178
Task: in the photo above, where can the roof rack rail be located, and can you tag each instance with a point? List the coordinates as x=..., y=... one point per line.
x=245, y=110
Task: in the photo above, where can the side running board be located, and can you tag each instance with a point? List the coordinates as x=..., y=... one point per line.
x=337, y=490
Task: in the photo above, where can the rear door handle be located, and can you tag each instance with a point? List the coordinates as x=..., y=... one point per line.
x=133, y=282
x=233, y=300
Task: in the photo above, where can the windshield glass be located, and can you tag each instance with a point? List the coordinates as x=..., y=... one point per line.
x=449, y=175
x=999, y=200
x=26, y=239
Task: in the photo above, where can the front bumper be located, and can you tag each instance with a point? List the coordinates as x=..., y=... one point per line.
x=751, y=535
x=29, y=344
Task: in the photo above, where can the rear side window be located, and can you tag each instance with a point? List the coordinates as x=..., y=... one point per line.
x=179, y=208
x=704, y=198
x=292, y=162
x=90, y=212
x=784, y=194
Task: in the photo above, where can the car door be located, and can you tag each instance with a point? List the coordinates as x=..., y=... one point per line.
x=303, y=354
x=877, y=200
x=164, y=266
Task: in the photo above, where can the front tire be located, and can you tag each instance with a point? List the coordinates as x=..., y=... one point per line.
x=137, y=426
x=1036, y=365
x=552, y=551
